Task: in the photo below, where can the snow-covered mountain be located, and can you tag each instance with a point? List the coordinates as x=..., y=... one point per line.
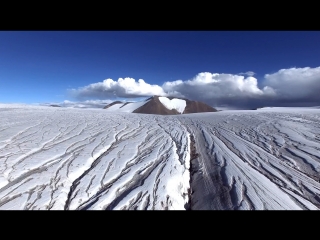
x=161, y=106
x=68, y=158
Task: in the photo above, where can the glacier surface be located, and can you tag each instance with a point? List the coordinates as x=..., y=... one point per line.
x=79, y=159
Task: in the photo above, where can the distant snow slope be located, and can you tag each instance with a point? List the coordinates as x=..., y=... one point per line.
x=286, y=109
x=114, y=107
x=178, y=104
x=129, y=107
x=62, y=158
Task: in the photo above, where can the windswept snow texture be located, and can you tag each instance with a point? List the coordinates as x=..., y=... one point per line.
x=91, y=159
x=58, y=158
x=174, y=103
x=256, y=159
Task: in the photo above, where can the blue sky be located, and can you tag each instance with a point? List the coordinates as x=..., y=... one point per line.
x=40, y=66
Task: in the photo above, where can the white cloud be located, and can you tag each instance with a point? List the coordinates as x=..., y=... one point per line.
x=294, y=86
x=215, y=86
x=248, y=73
x=124, y=87
x=295, y=83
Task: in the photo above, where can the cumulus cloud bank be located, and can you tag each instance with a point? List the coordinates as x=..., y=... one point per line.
x=287, y=87
x=295, y=83
x=124, y=87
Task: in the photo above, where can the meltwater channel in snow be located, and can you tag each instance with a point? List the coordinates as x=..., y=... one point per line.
x=64, y=158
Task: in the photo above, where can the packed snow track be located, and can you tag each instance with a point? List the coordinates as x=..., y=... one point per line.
x=83, y=159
